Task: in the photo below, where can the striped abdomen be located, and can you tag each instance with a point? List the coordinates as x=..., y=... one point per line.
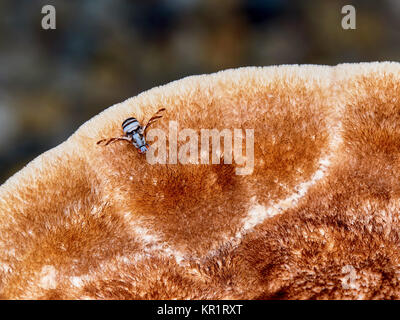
x=130, y=125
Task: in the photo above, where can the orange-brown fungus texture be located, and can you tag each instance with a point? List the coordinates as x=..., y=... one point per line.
x=317, y=218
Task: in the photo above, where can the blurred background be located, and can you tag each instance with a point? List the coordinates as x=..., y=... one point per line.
x=105, y=51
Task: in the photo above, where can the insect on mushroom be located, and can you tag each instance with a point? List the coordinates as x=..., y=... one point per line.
x=134, y=132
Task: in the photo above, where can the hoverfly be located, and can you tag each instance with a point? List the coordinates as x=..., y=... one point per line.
x=135, y=133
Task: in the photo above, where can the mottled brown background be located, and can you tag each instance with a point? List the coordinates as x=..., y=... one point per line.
x=104, y=51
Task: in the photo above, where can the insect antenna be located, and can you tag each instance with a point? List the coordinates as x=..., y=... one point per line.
x=153, y=119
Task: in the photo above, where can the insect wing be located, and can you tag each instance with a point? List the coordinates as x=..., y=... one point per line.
x=153, y=119
x=112, y=140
